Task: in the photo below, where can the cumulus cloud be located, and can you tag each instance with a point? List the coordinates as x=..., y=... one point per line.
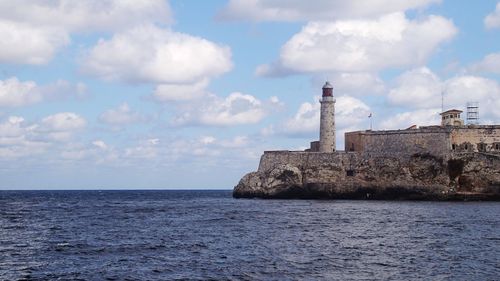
x=147, y=149
x=150, y=54
x=16, y=139
x=462, y=89
x=63, y=90
x=15, y=93
x=417, y=88
x=122, y=115
x=19, y=138
x=353, y=83
x=86, y=15
x=362, y=45
x=13, y=130
x=490, y=63
x=100, y=144
x=493, y=20
x=420, y=88
x=62, y=122
x=421, y=117
x=198, y=151
x=305, y=121
x=349, y=113
x=33, y=31
x=180, y=92
x=27, y=44
x=235, y=109
x=297, y=10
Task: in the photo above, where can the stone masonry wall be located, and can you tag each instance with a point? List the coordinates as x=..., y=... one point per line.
x=359, y=169
x=476, y=138
x=427, y=140
x=435, y=140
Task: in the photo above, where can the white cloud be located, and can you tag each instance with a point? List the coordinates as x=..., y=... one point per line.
x=13, y=131
x=353, y=83
x=180, y=92
x=417, y=88
x=26, y=44
x=64, y=121
x=362, y=45
x=98, y=15
x=150, y=54
x=420, y=88
x=349, y=112
x=235, y=109
x=297, y=10
x=147, y=149
x=19, y=138
x=306, y=120
x=490, y=63
x=63, y=90
x=33, y=31
x=463, y=89
x=208, y=139
x=16, y=93
x=122, y=115
x=421, y=117
x=493, y=20
x=50, y=140
x=100, y=144
x=236, y=142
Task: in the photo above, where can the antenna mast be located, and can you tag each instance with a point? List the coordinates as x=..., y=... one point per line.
x=442, y=101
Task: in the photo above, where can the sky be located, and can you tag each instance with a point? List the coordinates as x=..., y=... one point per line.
x=185, y=94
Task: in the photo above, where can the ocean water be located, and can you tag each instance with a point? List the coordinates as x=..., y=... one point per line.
x=207, y=235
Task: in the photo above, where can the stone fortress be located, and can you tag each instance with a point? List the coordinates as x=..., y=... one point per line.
x=450, y=161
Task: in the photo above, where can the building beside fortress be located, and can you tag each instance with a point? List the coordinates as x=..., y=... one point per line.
x=449, y=161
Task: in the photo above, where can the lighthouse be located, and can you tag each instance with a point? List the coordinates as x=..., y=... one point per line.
x=327, y=120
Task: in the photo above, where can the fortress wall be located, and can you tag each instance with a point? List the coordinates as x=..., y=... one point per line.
x=428, y=140
x=354, y=175
x=477, y=138
x=354, y=141
x=350, y=169
x=299, y=159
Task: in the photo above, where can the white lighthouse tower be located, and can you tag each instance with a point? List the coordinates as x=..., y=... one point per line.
x=327, y=120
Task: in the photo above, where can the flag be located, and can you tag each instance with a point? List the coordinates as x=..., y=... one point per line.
x=370, y=116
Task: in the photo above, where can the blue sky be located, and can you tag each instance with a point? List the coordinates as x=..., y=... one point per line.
x=188, y=94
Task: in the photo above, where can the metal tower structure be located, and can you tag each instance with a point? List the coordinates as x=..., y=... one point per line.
x=472, y=113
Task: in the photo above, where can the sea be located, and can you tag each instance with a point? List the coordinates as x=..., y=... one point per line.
x=208, y=235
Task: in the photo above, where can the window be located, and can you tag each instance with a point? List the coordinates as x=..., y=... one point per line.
x=453, y=146
x=497, y=146
x=350, y=173
x=466, y=147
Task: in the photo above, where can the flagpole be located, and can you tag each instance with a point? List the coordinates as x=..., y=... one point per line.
x=371, y=123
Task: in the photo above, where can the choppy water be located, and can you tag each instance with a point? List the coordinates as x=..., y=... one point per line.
x=169, y=235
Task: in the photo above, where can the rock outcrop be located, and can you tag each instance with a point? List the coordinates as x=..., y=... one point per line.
x=353, y=175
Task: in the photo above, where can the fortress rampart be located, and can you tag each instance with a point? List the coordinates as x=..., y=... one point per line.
x=452, y=161
x=374, y=175
x=437, y=140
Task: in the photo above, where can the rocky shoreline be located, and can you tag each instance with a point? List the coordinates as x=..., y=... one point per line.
x=351, y=175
